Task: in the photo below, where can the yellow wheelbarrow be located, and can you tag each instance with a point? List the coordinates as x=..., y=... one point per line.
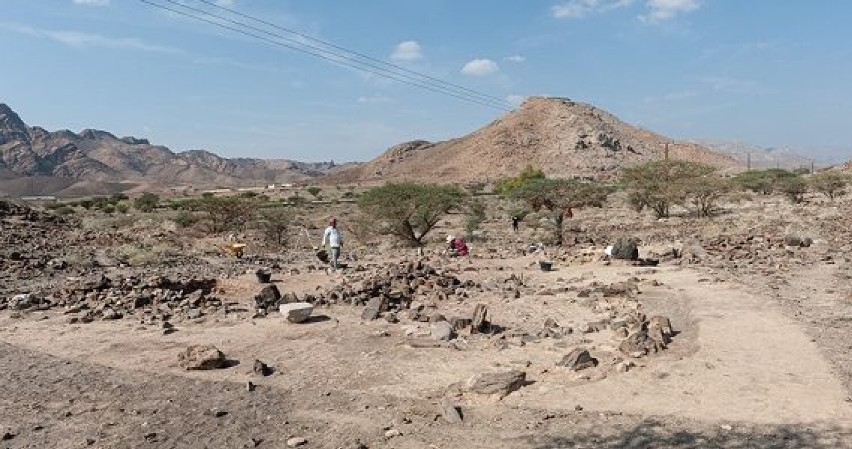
x=234, y=249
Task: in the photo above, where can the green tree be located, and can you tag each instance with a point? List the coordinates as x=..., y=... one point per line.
x=409, y=210
x=528, y=174
x=703, y=194
x=228, y=213
x=146, y=202
x=117, y=198
x=763, y=181
x=659, y=185
x=275, y=223
x=830, y=183
x=185, y=219
x=315, y=191
x=793, y=188
x=559, y=196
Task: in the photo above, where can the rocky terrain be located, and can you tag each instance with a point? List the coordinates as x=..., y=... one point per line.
x=34, y=161
x=562, y=137
x=727, y=332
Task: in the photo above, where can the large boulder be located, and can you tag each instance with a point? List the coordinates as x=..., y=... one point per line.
x=625, y=249
x=201, y=357
x=442, y=330
x=297, y=312
x=500, y=384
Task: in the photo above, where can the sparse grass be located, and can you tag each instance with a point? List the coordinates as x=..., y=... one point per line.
x=138, y=254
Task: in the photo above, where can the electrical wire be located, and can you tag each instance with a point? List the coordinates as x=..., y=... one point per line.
x=323, y=54
x=353, y=52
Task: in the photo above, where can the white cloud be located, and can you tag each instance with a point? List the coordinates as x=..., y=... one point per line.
x=375, y=99
x=92, y=2
x=226, y=3
x=726, y=84
x=407, y=51
x=662, y=10
x=78, y=39
x=576, y=9
x=516, y=99
x=515, y=58
x=480, y=67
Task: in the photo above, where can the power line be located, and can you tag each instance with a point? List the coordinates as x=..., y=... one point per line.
x=323, y=54
x=353, y=52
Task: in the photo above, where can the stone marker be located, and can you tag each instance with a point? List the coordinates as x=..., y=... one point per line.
x=298, y=312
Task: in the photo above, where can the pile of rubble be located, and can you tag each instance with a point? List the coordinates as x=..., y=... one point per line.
x=152, y=299
x=398, y=287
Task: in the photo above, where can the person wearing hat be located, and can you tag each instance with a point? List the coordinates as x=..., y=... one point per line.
x=334, y=239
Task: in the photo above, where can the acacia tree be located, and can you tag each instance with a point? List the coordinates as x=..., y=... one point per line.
x=764, y=181
x=794, y=188
x=703, y=194
x=228, y=213
x=560, y=195
x=147, y=202
x=408, y=210
x=659, y=185
x=528, y=174
x=832, y=184
x=275, y=223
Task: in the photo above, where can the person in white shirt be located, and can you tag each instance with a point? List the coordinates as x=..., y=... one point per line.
x=332, y=236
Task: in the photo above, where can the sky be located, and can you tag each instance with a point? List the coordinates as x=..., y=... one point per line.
x=772, y=73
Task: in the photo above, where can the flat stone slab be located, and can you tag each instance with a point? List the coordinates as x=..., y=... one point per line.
x=297, y=312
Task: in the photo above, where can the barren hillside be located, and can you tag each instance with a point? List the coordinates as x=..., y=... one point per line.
x=562, y=137
x=34, y=161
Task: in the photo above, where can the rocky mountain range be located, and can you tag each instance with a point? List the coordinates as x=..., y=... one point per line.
x=761, y=157
x=560, y=136
x=34, y=161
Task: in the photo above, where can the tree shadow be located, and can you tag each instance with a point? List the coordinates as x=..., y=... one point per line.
x=652, y=433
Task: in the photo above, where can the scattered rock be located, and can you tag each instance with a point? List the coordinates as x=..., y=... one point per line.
x=201, y=357
x=262, y=369
x=451, y=413
x=296, y=442
x=578, y=359
x=442, y=330
x=500, y=384
x=639, y=344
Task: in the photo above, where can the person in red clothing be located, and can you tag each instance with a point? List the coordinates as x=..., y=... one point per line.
x=456, y=246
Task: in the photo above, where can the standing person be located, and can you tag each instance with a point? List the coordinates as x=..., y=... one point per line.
x=515, y=221
x=332, y=236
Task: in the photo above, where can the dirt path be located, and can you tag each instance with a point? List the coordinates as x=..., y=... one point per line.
x=752, y=364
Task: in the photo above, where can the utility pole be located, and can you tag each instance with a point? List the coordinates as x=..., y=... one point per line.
x=666, y=151
x=748, y=161
x=812, y=166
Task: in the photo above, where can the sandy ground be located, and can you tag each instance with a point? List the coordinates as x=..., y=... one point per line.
x=741, y=372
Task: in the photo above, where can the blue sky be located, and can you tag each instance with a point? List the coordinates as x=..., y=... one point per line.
x=767, y=72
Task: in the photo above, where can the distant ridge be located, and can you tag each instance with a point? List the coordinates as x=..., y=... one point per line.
x=34, y=161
